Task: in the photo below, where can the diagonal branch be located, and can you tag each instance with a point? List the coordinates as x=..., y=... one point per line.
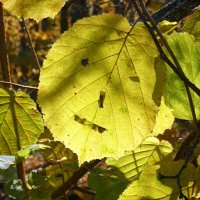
x=177, y=70
x=175, y=10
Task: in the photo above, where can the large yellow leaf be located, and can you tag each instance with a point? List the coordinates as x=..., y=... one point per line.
x=36, y=9
x=99, y=89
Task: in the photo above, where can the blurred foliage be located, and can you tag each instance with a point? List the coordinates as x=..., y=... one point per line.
x=23, y=67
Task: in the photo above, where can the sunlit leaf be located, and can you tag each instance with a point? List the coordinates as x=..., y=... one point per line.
x=164, y=119
x=192, y=25
x=20, y=122
x=96, y=87
x=188, y=54
x=150, y=187
x=35, y=9
x=166, y=26
x=150, y=152
x=31, y=148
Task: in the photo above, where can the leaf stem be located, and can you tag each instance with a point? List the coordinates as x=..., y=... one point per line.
x=18, y=85
x=20, y=164
x=5, y=67
x=31, y=43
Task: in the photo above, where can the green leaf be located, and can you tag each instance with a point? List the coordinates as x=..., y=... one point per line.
x=15, y=189
x=150, y=152
x=31, y=148
x=64, y=162
x=20, y=122
x=188, y=54
x=36, y=9
x=107, y=184
x=7, y=174
x=164, y=119
x=6, y=161
x=192, y=25
x=97, y=84
x=150, y=186
x=167, y=26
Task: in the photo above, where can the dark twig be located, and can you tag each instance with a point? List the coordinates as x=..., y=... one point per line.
x=31, y=43
x=4, y=61
x=175, y=10
x=163, y=40
x=162, y=53
x=73, y=179
x=147, y=3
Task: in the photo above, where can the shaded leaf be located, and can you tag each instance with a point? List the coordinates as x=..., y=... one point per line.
x=192, y=25
x=107, y=184
x=150, y=152
x=8, y=174
x=20, y=122
x=35, y=9
x=188, y=54
x=6, y=161
x=15, y=189
x=62, y=162
x=91, y=124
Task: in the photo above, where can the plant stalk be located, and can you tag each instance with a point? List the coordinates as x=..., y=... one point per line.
x=4, y=61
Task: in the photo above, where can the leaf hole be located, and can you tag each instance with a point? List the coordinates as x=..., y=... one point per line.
x=89, y=124
x=134, y=78
x=101, y=98
x=85, y=62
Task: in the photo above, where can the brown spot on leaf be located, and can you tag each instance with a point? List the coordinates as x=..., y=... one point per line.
x=85, y=62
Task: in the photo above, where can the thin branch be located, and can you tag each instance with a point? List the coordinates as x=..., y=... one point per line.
x=175, y=10
x=162, y=53
x=31, y=43
x=18, y=85
x=178, y=66
x=73, y=179
x=5, y=67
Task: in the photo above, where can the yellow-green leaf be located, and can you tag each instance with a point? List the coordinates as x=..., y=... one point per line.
x=150, y=187
x=36, y=9
x=20, y=122
x=150, y=152
x=99, y=90
x=164, y=119
x=192, y=25
x=188, y=54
